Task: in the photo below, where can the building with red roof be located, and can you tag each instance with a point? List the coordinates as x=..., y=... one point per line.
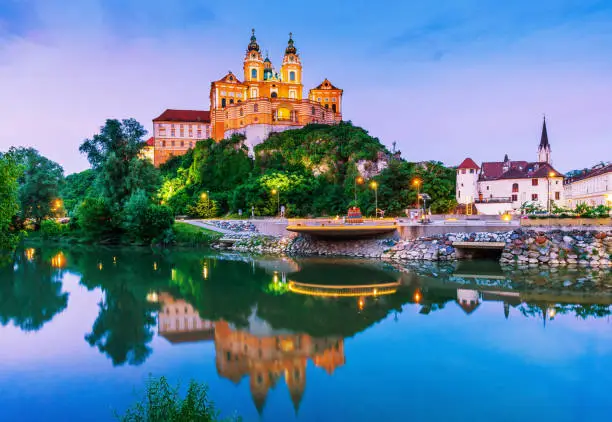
x=496, y=187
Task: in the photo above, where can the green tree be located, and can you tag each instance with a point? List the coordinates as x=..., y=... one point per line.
x=9, y=201
x=39, y=184
x=204, y=208
x=76, y=187
x=144, y=221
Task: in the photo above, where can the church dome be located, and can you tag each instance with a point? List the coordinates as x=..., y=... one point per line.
x=253, y=46
x=290, y=46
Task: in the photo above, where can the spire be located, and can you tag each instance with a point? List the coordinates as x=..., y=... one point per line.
x=544, y=140
x=253, y=46
x=290, y=47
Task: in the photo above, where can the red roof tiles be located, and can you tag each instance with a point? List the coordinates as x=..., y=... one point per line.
x=516, y=170
x=468, y=163
x=171, y=115
x=151, y=142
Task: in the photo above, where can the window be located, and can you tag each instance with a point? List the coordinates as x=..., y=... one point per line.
x=515, y=187
x=254, y=93
x=334, y=108
x=172, y=132
x=319, y=99
x=291, y=94
x=255, y=108
x=458, y=194
x=274, y=95
x=334, y=100
x=487, y=188
x=199, y=133
x=231, y=101
x=557, y=196
x=182, y=143
x=534, y=182
x=163, y=143
x=292, y=76
x=326, y=106
x=172, y=143
x=253, y=73
x=472, y=172
x=327, y=100
x=462, y=171
x=534, y=196
x=312, y=111
x=223, y=102
x=241, y=112
x=514, y=197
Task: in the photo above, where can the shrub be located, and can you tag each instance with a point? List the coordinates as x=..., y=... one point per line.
x=204, y=208
x=163, y=403
x=95, y=218
x=144, y=221
x=187, y=234
x=51, y=229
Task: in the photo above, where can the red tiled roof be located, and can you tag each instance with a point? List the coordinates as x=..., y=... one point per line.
x=151, y=141
x=517, y=170
x=468, y=163
x=171, y=115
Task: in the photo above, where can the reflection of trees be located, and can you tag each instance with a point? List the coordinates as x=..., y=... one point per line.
x=30, y=294
x=124, y=326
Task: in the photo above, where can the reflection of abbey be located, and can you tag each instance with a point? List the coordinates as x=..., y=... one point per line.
x=259, y=352
x=260, y=101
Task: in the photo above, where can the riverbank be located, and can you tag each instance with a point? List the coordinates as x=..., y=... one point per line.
x=521, y=248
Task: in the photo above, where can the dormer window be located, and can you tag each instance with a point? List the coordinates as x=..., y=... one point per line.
x=231, y=78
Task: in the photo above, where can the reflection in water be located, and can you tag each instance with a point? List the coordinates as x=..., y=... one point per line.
x=269, y=318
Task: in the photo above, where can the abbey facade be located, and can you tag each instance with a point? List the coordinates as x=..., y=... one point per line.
x=261, y=101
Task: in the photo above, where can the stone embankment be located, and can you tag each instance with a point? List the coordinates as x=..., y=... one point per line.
x=523, y=248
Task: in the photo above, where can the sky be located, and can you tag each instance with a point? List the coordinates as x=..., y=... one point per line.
x=445, y=79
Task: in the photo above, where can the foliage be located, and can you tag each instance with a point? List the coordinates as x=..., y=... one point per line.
x=39, y=184
x=143, y=221
x=204, y=208
x=77, y=187
x=50, y=229
x=9, y=201
x=531, y=208
x=163, y=403
x=188, y=234
x=96, y=220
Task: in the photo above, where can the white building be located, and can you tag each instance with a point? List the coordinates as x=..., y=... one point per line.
x=591, y=187
x=497, y=187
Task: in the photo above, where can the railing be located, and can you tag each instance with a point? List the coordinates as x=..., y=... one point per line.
x=494, y=200
x=343, y=291
x=340, y=221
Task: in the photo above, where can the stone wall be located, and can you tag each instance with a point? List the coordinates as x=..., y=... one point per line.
x=523, y=248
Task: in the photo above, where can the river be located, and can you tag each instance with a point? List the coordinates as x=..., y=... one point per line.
x=310, y=339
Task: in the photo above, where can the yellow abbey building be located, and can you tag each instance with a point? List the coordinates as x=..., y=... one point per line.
x=263, y=102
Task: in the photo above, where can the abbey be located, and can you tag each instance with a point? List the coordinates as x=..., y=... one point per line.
x=261, y=101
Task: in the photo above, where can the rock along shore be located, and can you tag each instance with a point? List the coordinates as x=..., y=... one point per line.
x=523, y=248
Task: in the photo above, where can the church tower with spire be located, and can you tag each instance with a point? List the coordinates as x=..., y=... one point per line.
x=544, y=148
x=291, y=71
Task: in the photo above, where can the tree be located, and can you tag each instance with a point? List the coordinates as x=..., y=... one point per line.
x=77, y=187
x=9, y=201
x=39, y=184
x=144, y=221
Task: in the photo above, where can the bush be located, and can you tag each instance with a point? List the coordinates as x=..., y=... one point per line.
x=163, y=403
x=204, y=208
x=146, y=222
x=95, y=218
x=52, y=229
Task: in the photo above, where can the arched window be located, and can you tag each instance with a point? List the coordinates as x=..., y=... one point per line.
x=255, y=108
x=231, y=101
x=274, y=95
x=515, y=187
x=223, y=102
x=292, y=75
x=326, y=106
x=253, y=73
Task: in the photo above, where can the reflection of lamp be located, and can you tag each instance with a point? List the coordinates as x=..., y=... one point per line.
x=361, y=303
x=29, y=253
x=58, y=261
x=417, y=296
x=152, y=297
x=205, y=271
x=155, y=266
x=552, y=312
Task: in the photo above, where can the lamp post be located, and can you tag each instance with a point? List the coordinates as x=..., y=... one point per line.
x=359, y=180
x=417, y=183
x=550, y=174
x=277, y=193
x=374, y=186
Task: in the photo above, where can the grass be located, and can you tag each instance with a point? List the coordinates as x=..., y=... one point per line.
x=190, y=235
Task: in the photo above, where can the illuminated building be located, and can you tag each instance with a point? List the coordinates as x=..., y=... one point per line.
x=592, y=187
x=261, y=101
x=497, y=187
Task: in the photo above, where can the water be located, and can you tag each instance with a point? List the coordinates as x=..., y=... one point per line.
x=302, y=339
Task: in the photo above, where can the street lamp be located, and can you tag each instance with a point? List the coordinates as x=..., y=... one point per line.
x=374, y=186
x=277, y=193
x=359, y=180
x=417, y=183
x=550, y=174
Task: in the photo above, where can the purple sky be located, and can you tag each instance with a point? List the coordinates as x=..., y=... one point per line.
x=461, y=78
